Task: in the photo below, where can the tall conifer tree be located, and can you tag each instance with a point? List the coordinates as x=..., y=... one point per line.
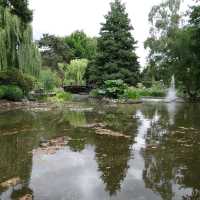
x=116, y=57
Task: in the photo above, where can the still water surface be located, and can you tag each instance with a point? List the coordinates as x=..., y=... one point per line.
x=159, y=161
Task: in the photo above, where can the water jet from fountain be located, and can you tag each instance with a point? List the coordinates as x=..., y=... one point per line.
x=171, y=94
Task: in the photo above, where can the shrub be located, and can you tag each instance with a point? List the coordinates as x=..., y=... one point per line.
x=154, y=91
x=11, y=92
x=2, y=92
x=157, y=90
x=15, y=77
x=111, y=88
x=131, y=93
x=28, y=83
x=49, y=79
x=118, y=89
x=114, y=88
x=64, y=96
x=61, y=96
x=97, y=93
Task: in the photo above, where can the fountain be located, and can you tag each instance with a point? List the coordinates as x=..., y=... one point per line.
x=171, y=94
x=170, y=97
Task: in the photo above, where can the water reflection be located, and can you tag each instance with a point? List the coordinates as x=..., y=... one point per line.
x=172, y=168
x=160, y=160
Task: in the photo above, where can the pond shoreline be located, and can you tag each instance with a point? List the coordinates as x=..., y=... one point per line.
x=6, y=104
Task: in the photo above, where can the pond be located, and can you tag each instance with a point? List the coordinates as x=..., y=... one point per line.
x=94, y=151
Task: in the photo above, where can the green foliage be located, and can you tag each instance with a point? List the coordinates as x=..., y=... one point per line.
x=136, y=93
x=64, y=96
x=2, y=92
x=17, y=49
x=62, y=68
x=157, y=90
x=118, y=89
x=14, y=77
x=97, y=93
x=131, y=93
x=49, y=79
x=174, y=49
x=111, y=88
x=58, y=52
x=116, y=57
x=184, y=56
x=54, y=51
x=165, y=21
x=11, y=92
x=19, y=8
x=82, y=45
x=114, y=88
x=186, y=61
x=60, y=97
x=75, y=72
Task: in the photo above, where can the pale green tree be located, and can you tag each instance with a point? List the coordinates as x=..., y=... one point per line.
x=76, y=71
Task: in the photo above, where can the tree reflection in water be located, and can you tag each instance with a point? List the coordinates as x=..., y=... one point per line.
x=164, y=136
x=173, y=164
x=112, y=154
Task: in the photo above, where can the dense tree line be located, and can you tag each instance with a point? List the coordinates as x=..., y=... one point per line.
x=111, y=56
x=20, y=60
x=55, y=49
x=60, y=53
x=174, y=46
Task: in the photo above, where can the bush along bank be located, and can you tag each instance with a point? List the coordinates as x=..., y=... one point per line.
x=120, y=92
x=11, y=92
x=15, y=86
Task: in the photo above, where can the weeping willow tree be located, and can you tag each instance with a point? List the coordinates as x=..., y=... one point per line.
x=76, y=72
x=17, y=49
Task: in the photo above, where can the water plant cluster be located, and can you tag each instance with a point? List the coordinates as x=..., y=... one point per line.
x=117, y=89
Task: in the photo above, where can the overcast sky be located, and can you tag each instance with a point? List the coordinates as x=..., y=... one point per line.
x=62, y=17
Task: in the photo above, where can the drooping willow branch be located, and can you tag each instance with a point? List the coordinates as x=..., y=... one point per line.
x=16, y=45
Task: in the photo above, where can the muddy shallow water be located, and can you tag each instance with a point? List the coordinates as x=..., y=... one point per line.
x=94, y=151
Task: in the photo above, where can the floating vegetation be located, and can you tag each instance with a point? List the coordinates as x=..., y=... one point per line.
x=95, y=125
x=52, y=146
x=81, y=109
x=102, y=131
x=11, y=182
x=29, y=105
x=41, y=109
x=26, y=197
x=152, y=146
x=185, y=128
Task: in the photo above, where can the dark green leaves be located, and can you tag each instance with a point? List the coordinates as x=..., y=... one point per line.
x=116, y=57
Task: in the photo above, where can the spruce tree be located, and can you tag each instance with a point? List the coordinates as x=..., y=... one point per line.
x=116, y=57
